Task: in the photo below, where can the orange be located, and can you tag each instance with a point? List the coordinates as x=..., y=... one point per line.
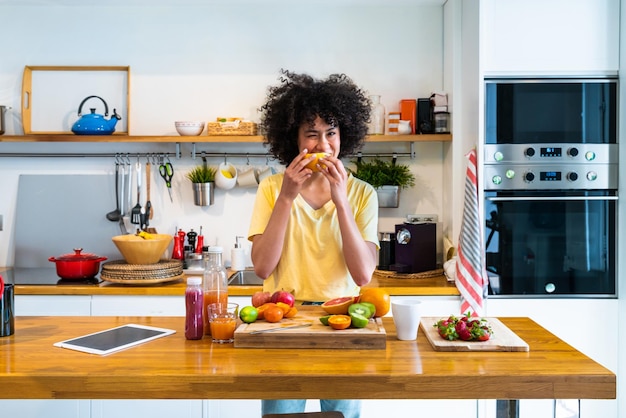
x=379, y=298
x=291, y=313
x=313, y=164
x=284, y=307
x=261, y=309
x=273, y=314
x=339, y=321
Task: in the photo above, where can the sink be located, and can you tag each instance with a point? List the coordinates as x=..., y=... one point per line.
x=245, y=278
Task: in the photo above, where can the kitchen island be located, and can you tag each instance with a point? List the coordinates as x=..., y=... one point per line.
x=175, y=368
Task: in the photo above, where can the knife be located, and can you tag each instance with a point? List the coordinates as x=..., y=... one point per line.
x=260, y=331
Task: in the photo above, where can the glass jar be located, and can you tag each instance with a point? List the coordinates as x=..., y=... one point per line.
x=194, y=318
x=377, y=116
x=215, y=282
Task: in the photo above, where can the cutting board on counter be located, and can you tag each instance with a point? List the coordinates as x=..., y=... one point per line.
x=502, y=339
x=316, y=335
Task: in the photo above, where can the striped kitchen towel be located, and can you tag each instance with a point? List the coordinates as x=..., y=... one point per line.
x=471, y=276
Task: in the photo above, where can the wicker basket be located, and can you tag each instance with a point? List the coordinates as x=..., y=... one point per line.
x=231, y=128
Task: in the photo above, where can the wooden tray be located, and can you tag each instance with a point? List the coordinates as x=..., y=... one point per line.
x=315, y=336
x=64, y=89
x=503, y=339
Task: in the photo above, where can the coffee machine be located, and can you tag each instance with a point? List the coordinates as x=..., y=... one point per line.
x=415, y=247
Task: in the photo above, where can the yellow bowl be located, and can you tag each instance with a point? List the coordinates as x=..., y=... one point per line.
x=137, y=250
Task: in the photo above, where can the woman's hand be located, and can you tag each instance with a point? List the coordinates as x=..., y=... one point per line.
x=337, y=177
x=296, y=174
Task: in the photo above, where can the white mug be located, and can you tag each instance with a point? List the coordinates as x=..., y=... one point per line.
x=222, y=181
x=406, y=317
x=247, y=177
x=265, y=172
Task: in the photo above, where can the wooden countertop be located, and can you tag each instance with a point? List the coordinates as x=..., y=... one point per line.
x=174, y=368
x=430, y=286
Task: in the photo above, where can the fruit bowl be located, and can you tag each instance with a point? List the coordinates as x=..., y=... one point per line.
x=189, y=128
x=139, y=250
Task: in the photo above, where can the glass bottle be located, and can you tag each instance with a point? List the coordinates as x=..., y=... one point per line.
x=377, y=123
x=194, y=319
x=215, y=283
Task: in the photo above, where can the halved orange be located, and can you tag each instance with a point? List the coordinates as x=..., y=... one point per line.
x=338, y=306
x=339, y=321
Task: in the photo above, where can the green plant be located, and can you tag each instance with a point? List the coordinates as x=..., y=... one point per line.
x=202, y=174
x=384, y=173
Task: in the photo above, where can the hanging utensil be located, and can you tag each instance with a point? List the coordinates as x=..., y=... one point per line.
x=129, y=190
x=167, y=172
x=135, y=214
x=116, y=214
x=149, y=211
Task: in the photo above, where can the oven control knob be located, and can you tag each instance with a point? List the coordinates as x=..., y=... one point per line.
x=590, y=156
x=529, y=176
x=529, y=152
x=572, y=176
x=572, y=152
x=498, y=156
x=496, y=179
x=592, y=175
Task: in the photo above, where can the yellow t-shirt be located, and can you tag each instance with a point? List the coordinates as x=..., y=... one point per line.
x=312, y=265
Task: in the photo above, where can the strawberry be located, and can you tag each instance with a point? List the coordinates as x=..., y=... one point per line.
x=463, y=331
x=464, y=328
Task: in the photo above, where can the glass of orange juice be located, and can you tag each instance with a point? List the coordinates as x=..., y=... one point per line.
x=223, y=321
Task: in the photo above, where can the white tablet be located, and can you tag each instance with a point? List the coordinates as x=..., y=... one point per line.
x=115, y=339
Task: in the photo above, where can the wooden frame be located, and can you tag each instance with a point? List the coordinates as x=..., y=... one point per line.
x=27, y=94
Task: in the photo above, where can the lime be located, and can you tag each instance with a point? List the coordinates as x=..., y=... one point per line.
x=371, y=307
x=324, y=319
x=248, y=314
x=360, y=309
x=358, y=320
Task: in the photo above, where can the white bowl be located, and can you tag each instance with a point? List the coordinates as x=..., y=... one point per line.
x=189, y=128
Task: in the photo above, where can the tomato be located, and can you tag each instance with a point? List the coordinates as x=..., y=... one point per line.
x=379, y=298
x=273, y=314
x=339, y=321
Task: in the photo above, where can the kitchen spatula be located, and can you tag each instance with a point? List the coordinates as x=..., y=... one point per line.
x=135, y=214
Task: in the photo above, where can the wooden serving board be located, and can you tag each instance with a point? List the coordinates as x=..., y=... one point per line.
x=316, y=335
x=502, y=339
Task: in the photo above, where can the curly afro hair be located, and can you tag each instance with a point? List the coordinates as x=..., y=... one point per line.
x=300, y=98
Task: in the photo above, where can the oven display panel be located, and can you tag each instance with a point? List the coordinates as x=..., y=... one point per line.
x=551, y=152
x=550, y=176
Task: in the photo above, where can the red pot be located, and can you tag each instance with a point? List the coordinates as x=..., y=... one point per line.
x=77, y=266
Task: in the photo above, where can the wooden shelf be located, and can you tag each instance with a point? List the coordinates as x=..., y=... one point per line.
x=197, y=139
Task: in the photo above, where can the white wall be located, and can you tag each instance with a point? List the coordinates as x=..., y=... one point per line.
x=200, y=59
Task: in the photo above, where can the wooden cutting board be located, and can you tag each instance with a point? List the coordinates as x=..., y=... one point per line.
x=314, y=335
x=502, y=339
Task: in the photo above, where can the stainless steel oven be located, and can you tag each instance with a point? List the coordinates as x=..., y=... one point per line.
x=551, y=219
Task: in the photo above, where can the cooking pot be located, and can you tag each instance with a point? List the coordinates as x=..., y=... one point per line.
x=77, y=266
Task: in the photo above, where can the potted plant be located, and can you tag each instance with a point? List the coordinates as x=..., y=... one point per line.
x=202, y=177
x=387, y=177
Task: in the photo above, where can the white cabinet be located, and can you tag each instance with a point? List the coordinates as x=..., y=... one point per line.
x=52, y=305
x=557, y=36
x=33, y=408
x=137, y=305
x=150, y=408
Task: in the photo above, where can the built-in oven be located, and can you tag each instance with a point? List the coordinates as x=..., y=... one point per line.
x=551, y=110
x=551, y=219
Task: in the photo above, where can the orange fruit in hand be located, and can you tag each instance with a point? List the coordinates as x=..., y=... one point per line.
x=313, y=164
x=379, y=298
x=273, y=314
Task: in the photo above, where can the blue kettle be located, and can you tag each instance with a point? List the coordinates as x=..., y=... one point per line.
x=93, y=123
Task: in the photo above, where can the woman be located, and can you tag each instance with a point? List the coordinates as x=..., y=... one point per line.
x=314, y=230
